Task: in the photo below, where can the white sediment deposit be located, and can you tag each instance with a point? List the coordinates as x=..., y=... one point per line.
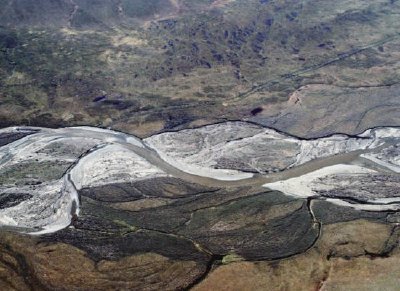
x=108, y=135
x=112, y=164
x=388, y=156
x=346, y=185
x=309, y=184
x=49, y=208
x=352, y=185
x=42, y=173
x=250, y=148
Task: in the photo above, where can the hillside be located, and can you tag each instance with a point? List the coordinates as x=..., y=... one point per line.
x=146, y=66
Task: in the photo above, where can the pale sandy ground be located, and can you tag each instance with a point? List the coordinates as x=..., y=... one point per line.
x=114, y=158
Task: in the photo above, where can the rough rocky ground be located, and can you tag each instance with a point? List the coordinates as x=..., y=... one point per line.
x=149, y=66
x=306, y=68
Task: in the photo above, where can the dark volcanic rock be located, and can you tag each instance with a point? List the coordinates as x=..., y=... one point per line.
x=164, y=218
x=362, y=187
x=254, y=227
x=328, y=213
x=168, y=187
x=100, y=245
x=12, y=199
x=245, y=221
x=9, y=137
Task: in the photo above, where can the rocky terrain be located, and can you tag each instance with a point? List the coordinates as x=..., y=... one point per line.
x=147, y=66
x=108, y=203
x=199, y=145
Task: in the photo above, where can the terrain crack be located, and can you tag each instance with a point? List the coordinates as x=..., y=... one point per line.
x=120, y=8
x=73, y=13
x=391, y=243
x=372, y=109
x=215, y=259
x=244, y=196
x=325, y=278
x=353, y=200
x=23, y=269
x=354, y=87
x=316, y=222
x=296, y=73
x=196, y=244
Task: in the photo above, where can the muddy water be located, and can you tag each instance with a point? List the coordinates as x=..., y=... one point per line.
x=258, y=180
x=151, y=156
x=26, y=147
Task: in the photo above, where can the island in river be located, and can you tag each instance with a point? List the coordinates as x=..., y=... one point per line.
x=195, y=202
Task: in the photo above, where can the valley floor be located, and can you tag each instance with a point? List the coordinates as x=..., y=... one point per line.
x=217, y=206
